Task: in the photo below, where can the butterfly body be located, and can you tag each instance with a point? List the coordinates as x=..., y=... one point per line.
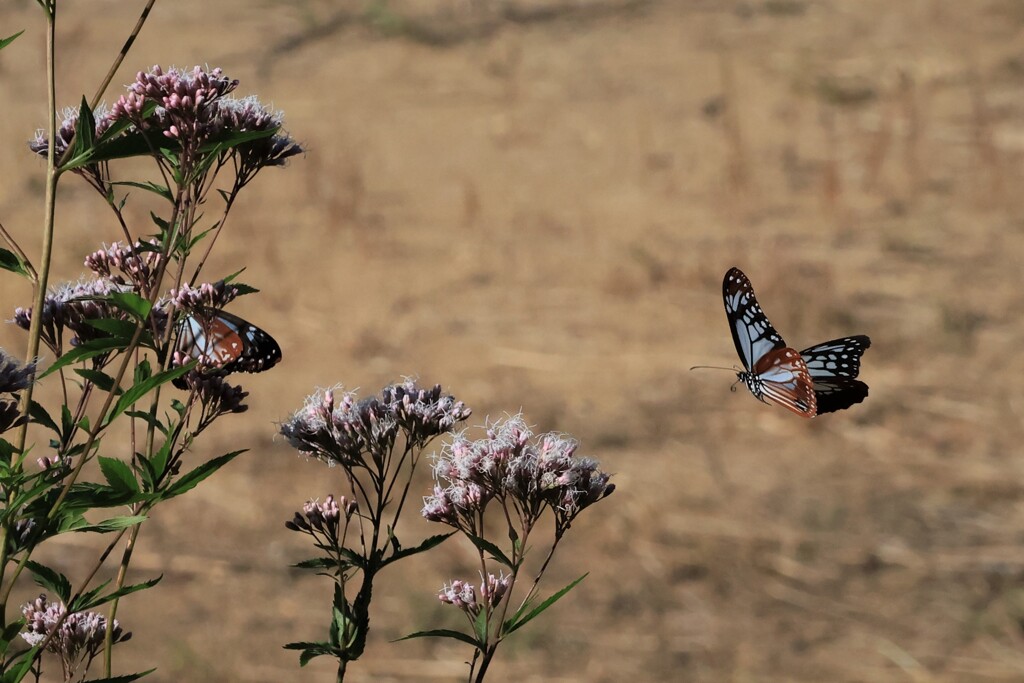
x=226, y=342
x=817, y=380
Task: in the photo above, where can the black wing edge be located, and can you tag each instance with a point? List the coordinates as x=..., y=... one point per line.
x=839, y=394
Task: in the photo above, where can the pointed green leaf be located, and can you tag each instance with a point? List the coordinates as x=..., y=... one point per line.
x=85, y=130
x=130, y=302
x=97, y=377
x=486, y=546
x=39, y=415
x=126, y=678
x=51, y=580
x=112, y=524
x=137, y=391
x=426, y=545
x=93, y=599
x=118, y=474
x=444, y=633
x=192, y=479
x=517, y=621
x=10, y=261
x=160, y=190
x=85, y=351
x=10, y=39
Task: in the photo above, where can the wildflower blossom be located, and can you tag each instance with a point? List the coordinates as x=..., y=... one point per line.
x=73, y=306
x=77, y=640
x=207, y=295
x=529, y=475
x=124, y=265
x=345, y=432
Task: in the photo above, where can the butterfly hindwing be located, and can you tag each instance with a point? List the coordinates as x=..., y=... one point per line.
x=782, y=377
x=833, y=366
x=752, y=333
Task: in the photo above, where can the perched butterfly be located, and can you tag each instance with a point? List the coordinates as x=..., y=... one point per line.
x=818, y=380
x=226, y=341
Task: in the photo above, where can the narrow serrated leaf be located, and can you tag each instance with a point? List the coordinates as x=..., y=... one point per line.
x=112, y=524
x=443, y=633
x=85, y=351
x=426, y=545
x=39, y=415
x=517, y=621
x=97, y=377
x=192, y=479
x=126, y=678
x=160, y=190
x=10, y=39
x=137, y=391
x=50, y=579
x=133, y=304
x=118, y=474
x=10, y=261
x=487, y=547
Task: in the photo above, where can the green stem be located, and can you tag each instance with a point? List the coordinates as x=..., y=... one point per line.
x=36, y=326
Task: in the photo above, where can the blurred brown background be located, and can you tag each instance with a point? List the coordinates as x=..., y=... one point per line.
x=533, y=203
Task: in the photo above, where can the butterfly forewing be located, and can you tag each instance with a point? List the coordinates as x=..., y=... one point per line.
x=753, y=335
x=228, y=342
x=834, y=365
x=783, y=378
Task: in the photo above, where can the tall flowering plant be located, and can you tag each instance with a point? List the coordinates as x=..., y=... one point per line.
x=376, y=443
x=521, y=478
x=142, y=339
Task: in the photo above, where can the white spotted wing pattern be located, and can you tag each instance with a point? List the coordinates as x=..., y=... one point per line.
x=834, y=366
x=227, y=342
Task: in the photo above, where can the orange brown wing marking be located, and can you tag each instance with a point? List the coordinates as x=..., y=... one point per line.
x=786, y=381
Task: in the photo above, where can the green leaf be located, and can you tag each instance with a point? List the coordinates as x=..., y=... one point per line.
x=311, y=651
x=321, y=563
x=93, y=598
x=127, y=678
x=118, y=474
x=97, y=377
x=160, y=190
x=444, y=633
x=133, y=304
x=85, y=130
x=517, y=621
x=114, y=327
x=10, y=261
x=51, y=580
x=16, y=671
x=192, y=479
x=10, y=39
x=112, y=524
x=486, y=546
x=39, y=415
x=89, y=495
x=140, y=389
x=85, y=351
x=426, y=545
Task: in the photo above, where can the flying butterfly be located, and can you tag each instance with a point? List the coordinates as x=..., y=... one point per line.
x=815, y=381
x=227, y=341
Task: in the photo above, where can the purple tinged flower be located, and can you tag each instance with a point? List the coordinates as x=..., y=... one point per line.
x=215, y=395
x=423, y=413
x=511, y=465
x=123, y=265
x=77, y=640
x=15, y=375
x=462, y=594
x=72, y=306
x=493, y=588
x=66, y=131
x=215, y=295
x=324, y=518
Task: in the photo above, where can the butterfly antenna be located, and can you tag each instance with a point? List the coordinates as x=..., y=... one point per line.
x=711, y=367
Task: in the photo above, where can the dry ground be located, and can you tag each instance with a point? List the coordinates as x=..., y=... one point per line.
x=535, y=209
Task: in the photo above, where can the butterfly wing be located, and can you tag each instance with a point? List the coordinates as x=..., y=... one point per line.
x=834, y=366
x=783, y=378
x=753, y=335
x=226, y=341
